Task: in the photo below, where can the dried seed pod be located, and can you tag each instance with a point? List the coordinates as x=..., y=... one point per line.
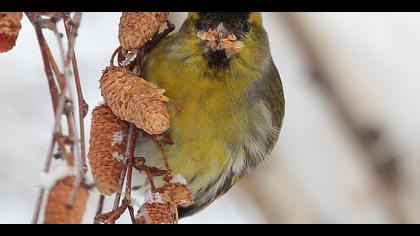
x=56, y=210
x=161, y=207
x=175, y=193
x=136, y=28
x=135, y=100
x=155, y=213
x=9, y=29
x=108, y=143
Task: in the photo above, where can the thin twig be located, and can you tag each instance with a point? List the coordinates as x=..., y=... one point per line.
x=54, y=97
x=150, y=172
x=131, y=212
x=124, y=172
x=62, y=100
x=129, y=157
x=83, y=110
x=68, y=110
x=62, y=78
x=158, y=37
x=54, y=67
x=50, y=77
x=99, y=208
x=111, y=61
x=56, y=132
x=57, y=124
x=165, y=158
x=38, y=205
x=58, y=37
x=72, y=24
x=83, y=106
x=71, y=31
x=131, y=146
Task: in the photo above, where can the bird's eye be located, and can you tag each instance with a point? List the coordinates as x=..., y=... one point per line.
x=199, y=25
x=246, y=27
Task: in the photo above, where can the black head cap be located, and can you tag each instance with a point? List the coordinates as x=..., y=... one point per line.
x=224, y=16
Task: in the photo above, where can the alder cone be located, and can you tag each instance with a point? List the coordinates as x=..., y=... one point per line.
x=135, y=100
x=136, y=28
x=56, y=210
x=172, y=195
x=108, y=143
x=176, y=194
x=9, y=29
x=155, y=213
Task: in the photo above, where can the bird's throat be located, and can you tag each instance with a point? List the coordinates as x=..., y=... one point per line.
x=217, y=59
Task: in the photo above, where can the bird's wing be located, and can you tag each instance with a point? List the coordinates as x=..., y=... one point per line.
x=271, y=93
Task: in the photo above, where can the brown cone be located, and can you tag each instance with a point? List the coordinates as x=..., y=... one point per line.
x=136, y=28
x=106, y=154
x=56, y=210
x=172, y=196
x=9, y=29
x=135, y=100
x=176, y=194
x=155, y=213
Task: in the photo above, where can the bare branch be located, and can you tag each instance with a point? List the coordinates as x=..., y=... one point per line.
x=62, y=97
x=99, y=208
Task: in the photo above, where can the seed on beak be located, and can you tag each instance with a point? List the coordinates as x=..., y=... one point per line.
x=220, y=39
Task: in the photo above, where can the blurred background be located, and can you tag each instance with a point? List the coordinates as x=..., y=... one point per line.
x=349, y=151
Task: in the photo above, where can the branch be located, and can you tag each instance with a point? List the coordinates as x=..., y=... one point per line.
x=61, y=96
x=58, y=107
x=131, y=146
x=83, y=106
x=99, y=208
x=50, y=77
x=71, y=27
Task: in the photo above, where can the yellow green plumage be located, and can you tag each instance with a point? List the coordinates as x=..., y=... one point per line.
x=230, y=115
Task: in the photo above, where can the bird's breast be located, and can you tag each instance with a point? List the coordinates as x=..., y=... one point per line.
x=214, y=127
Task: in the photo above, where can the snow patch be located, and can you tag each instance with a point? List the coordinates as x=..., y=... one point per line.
x=179, y=179
x=154, y=198
x=118, y=156
x=117, y=138
x=137, y=197
x=129, y=57
x=48, y=180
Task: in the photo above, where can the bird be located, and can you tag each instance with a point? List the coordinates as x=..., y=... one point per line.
x=230, y=102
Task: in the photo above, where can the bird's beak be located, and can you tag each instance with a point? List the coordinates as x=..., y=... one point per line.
x=222, y=30
x=221, y=39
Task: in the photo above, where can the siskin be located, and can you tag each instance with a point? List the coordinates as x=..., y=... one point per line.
x=218, y=69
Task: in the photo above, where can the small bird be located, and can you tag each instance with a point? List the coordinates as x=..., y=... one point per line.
x=219, y=71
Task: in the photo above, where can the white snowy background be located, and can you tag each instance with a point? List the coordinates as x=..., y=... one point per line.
x=318, y=173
